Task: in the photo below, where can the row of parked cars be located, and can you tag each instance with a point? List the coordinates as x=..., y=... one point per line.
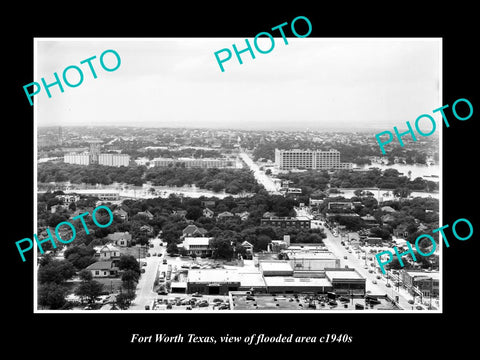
x=191, y=303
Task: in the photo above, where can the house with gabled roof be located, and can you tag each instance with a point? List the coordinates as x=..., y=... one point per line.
x=121, y=239
x=107, y=252
x=102, y=269
x=193, y=230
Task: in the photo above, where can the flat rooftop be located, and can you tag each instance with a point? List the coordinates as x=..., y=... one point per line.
x=251, y=279
x=213, y=276
x=343, y=275
x=275, y=266
x=434, y=274
x=310, y=255
x=289, y=281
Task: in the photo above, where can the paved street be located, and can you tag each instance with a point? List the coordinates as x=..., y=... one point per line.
x=144, y=292
x=260, y=175
x=355, y=261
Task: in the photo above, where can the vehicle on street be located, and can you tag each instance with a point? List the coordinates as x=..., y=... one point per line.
x=164, y=261
x=388, y=285
x=203, y=303
x=147, y=307
x=224, y=307
x=148, y=254
x=378, y=277
x=196, y=294
x=374, y=281
x=345, y=257
x=142, y=271
x=154, y=254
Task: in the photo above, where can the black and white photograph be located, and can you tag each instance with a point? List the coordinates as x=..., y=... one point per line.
x=243, y=190
x=262, y=182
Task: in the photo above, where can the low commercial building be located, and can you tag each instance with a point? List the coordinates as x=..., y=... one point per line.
x=102, y=194
x=292, y=285
x=312, y=261
x=427, y=283
x=346, y=281
x=212, y=281
x=275, y=268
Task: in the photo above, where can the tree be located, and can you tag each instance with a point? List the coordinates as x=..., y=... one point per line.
x=128, y=262
x=124, y=300
x=85, y=275
x=194, y=212
x=55, y=271
x=261, y=243
x=241, y=250
x=52, y=295
x=80, y=256
x=172, y=248
x=90, y=290
x=129, y=280
x=222, y=249
x=56, y=218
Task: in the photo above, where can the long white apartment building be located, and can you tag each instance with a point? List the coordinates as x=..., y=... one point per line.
x=310, y=159
x=103, y=159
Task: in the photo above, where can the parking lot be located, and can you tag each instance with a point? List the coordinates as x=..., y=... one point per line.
x=193, y=302
x=306, y=302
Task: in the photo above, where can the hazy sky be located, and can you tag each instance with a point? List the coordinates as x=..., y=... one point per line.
x=312, y=83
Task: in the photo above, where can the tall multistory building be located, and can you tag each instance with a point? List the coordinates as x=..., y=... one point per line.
x=205, y=163
x=94, y=156
x=78, y=159
x=309, y=159
x=95, y=146
x=114, y=159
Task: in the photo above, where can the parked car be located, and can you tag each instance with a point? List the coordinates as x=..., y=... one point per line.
x=148, y=254
x=378, y=277
x=196, y=294
x=411, y=302
x=154, y=254
x=374, y=281
x=142, y=271
x=388, y=285
x=203, y=303
x=250, y=297
x=224, y=307
x=345, y=257
x=164, y=261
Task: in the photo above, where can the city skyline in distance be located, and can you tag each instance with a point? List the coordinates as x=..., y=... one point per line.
x=334, y=84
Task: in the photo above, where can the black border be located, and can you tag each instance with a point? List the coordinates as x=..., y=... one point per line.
x=376, y=334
